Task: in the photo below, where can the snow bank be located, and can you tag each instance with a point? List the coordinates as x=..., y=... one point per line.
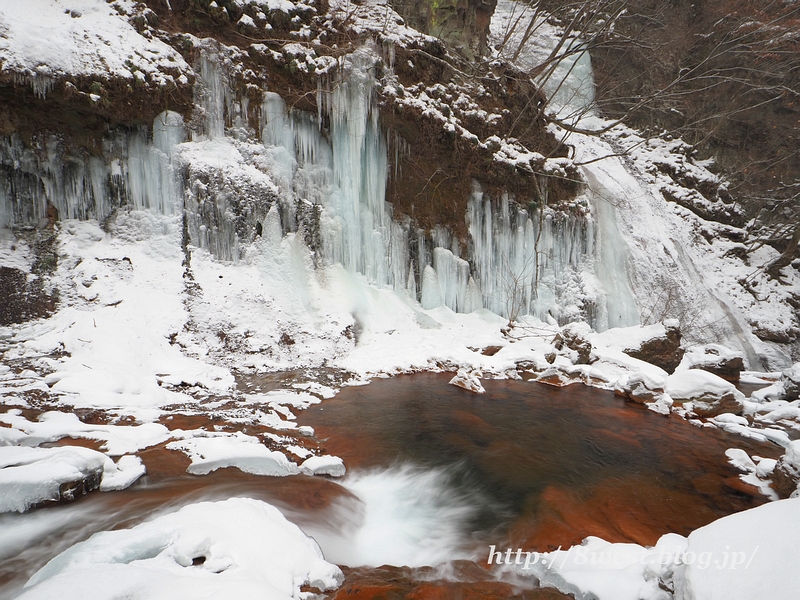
x=240, y=548
x=52, y=426
x=122, y=300
x=740, y=557
x=751, y=556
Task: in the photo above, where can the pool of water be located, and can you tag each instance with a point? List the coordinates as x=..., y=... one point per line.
x=437, y=474
x=546, y=465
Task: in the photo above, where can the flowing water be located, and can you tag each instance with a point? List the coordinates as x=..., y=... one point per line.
x=437, y=474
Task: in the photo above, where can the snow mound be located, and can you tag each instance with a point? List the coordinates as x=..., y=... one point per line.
x=694, y=383
x=758, y=545
x=239, y=548
x=324, y=465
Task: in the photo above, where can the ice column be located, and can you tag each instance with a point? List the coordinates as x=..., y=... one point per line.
x=344, y=174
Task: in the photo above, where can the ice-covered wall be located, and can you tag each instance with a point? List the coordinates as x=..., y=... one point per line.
x=130, y=170
x=293, y=176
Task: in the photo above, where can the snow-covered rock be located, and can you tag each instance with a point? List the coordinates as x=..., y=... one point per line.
x=786, y=475
x=658, y=344
x=709, y=394
x=716, y=359
x=743, y=556
x=239, y=548
x=44, y=40
x=324, y=465
x=469, y=380
x=210, y=451
x=790, y=380
x=33, y=476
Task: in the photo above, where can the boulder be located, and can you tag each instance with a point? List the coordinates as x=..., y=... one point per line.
x=790, y=381
x=711, y=407
x=469, y=380
x=715, y=359
x=786, y=475
x=662, y=349
x=639, y=388
x=574, y=337
x=645, y=389
x=709, y=394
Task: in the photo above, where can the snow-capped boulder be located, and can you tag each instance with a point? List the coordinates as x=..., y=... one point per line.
x=644, y=388
x=709, y=394
x=240, y=548
x=575, y=337
x=323, y=465
x=715, y=359
x=661, y=348
x=469, y=380
x=790, y=380
x=639, y=387
x=33, y=476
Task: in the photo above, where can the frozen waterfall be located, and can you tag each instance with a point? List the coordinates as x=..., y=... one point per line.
x=327, y=183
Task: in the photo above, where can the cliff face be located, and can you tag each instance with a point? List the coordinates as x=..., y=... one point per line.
x=321, y=112
x=462, y=23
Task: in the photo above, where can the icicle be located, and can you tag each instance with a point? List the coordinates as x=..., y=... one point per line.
x=168, y=131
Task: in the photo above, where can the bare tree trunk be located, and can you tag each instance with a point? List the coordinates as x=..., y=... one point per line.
x=774, y=268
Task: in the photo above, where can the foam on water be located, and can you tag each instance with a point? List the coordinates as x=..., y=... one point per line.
x=403, y=515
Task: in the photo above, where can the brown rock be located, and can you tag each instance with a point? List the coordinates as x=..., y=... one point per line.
x=710, y=406
x=727, y=368
x=784, y=480
x=574, y=339
x=664, y=352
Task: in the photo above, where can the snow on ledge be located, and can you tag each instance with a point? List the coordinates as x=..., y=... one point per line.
x=46, y=39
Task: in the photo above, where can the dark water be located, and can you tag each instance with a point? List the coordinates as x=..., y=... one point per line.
x=555, y=464
x=437, y=473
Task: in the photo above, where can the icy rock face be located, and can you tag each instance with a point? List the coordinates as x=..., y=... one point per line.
x=322, y=177
x=530, y=263
x=131, y=172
